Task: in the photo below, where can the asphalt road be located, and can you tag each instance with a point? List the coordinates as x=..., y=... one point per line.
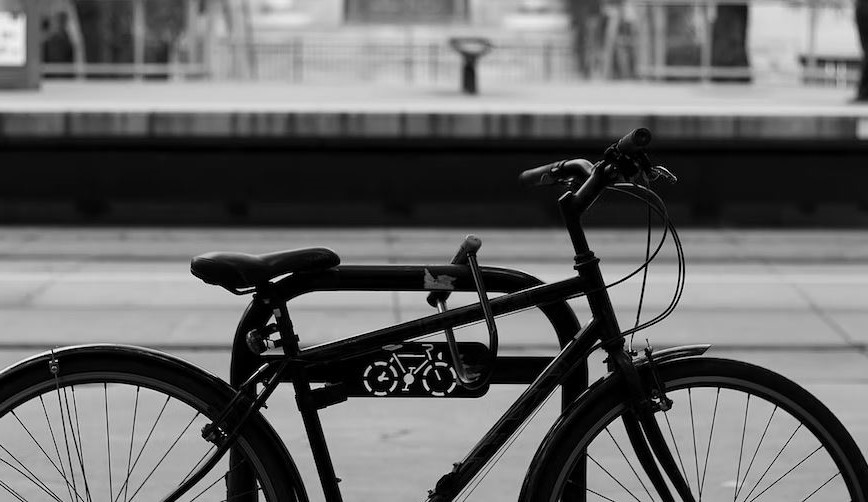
x=795, y=302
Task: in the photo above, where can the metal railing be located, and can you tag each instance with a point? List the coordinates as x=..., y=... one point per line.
x=323, y=59
x=630, y=40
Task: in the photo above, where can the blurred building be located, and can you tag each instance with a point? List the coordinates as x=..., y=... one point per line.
x=407, y=41
x=404, y=40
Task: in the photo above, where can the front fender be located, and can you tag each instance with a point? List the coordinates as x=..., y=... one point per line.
x=586, y=401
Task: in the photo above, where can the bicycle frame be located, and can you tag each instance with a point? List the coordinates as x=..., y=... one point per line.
x=568, y=369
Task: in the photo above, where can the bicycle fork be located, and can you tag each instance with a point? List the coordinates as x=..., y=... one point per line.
x=643, y=430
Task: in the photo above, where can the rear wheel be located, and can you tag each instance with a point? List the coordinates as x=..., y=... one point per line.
x=122, y=427
x=737, y=432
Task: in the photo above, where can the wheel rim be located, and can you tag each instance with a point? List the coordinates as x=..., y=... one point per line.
x=110, y=437
x=732, y=440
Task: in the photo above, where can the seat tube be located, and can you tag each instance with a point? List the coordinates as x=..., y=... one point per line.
x=307, y=405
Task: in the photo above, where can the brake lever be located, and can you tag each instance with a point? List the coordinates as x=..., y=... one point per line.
x=658, y=172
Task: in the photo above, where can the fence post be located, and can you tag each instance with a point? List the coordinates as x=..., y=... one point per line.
x=297, y=60
x=408, y=62
x=705, y=50
x=433, y=62
x=811, y=60
x=139, y=34
x=658, y=14
x=547, y=61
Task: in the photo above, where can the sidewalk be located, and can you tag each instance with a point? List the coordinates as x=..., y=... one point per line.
x=745, y=290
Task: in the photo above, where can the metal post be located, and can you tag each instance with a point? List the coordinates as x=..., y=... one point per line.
x=139, y=33
x=297, y=48
x=658, y=15
x=547, y=61
x=433, y=62
x=705, y=51
x=811, y=60
x=191, y=41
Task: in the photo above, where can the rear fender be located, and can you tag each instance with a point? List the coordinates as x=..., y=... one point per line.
x=156, y=359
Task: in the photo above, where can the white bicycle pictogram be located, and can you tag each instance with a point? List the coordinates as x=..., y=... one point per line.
x=438, y=378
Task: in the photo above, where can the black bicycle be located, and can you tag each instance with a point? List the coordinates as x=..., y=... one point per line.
x=114, y=423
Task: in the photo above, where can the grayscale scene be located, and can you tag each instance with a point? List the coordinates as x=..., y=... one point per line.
x=433, y=250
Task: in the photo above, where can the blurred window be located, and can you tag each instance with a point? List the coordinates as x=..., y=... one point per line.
x=406, y=11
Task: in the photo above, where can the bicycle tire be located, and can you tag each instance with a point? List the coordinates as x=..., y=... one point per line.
x=124, y=424
x=588, y=432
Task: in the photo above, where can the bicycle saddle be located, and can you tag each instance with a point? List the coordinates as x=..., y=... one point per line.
x=240, y=271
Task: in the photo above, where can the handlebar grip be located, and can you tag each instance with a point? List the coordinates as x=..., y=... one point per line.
x=634, y=142
x=470, y=245
x=540, y=176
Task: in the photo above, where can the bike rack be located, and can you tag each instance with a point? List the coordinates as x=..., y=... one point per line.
x=507, y=369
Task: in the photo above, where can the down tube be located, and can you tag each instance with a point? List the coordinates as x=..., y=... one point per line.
x=571, y=358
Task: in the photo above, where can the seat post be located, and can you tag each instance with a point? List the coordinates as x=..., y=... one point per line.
x=304, y=396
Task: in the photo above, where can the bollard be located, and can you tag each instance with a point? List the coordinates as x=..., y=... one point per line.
x=471, y=49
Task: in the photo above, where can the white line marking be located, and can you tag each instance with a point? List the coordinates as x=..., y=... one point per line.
x=692, y=278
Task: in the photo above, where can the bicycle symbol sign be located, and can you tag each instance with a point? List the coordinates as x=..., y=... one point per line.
x=410, y=373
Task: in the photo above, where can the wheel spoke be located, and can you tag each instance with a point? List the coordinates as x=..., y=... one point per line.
x=821, y=486
x=38, y=445
x=56, y=448
x=710, y=435
x=629, y=463
x=244, y=461
x=762, y=437
x=741, y=450
x=79, y=447
x=12, y=492
x=242, y=494
x=204, y=456
x=125, y=486
x=693, y=432
x=595, y=493
x=150, y=433
x=108, y=442
x=614, y=478
x=29, y=476
x=160, y=462
x=65, y=437
x=677, y=451
x=784, y=447
x=787, y=473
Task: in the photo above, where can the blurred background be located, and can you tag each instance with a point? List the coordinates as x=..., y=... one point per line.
x=135, y=134
x=411, y=112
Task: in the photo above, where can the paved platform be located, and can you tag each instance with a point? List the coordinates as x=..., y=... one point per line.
x=745, y=290
x=593, y=110
x=792, y=301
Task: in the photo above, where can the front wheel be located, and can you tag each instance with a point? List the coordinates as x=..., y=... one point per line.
x=738, y=432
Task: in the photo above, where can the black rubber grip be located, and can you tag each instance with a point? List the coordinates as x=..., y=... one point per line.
x=540, y=176
x=634, y=142
x=471, y=244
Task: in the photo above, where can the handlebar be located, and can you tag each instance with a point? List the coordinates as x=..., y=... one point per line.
x=634, y=142
x=556, y=172
x=627, y=156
